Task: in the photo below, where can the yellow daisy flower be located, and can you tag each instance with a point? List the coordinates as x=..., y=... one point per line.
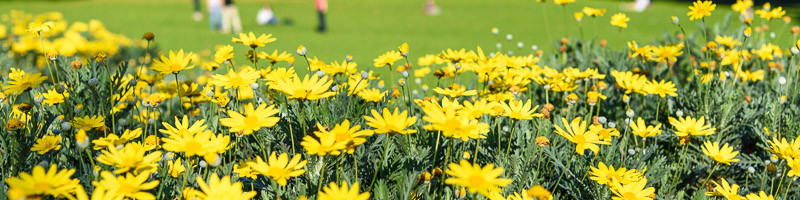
x=279, y=168
x=174, y=64
x=724, y=154
x=484, y=180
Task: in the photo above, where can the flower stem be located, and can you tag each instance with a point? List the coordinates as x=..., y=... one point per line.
x=321, y=174
x=508, y=148
x=563, y=171
x=383, y=159
x=709, y=174
x=780, y=183
x=355, y=163
x=180, y=99
x=436, y=147
x=475, y=154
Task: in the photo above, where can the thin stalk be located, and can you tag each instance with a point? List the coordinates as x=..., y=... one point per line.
x=510, y=136
x=383, y=159
x=709, y=174
x=436, y=147
x=786, y=193
x=780, y=183
x=569, y=162
x=355, y=163
x=180, y=99
x=590, y=165
x=475, y=153
x=322, y=174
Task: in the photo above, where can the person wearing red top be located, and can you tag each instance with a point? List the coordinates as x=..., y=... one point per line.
x=322, y=8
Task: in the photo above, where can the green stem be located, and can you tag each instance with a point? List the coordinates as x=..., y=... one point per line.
x=569, y=162
x=383, y=159
x=780, y=183
x=355, y=163
x=475, y=153
x=178, y=87
x=322, y=174
x=587, y=171
x=510, y=136
x=436, y=147
x=786, y=193
x=709, y=174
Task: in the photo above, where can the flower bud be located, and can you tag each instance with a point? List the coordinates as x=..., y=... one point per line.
x=364, y=75
x=254, y=85
x=169, y=156
x=66, y=126
x=612, y=125
x=78, y=108
x=748, y=32
x=320, y=73
x=675, y=20
x=509, y=37
x=335, y=88
x=149, y=36
x=404, y=73
x=495, y=30
x=679, y=113
x=602, y=120
x=782, y=80
x=629, y=113
x=520, y=44
x=76, y=64
x=92, y=82
x=301, y=50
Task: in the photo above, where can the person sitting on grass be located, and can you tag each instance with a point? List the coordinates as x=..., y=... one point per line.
x=266, y=16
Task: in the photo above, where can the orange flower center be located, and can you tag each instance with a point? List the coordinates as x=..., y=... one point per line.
x=42, y=186
x=251, y=121
x=476, y=180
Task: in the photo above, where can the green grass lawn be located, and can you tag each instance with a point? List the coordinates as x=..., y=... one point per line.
x=367, y=28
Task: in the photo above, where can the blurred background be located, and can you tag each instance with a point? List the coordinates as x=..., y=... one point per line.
x=366, y=28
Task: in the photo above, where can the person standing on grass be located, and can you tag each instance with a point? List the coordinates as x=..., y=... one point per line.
x=322, y=8
x=214, y=14
x=230, y=17
x=197, y=15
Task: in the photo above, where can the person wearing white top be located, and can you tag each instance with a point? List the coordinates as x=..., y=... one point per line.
x=214, y=14
x=266, y=16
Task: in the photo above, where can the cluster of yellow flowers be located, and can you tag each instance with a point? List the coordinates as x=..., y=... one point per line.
x=28, y=35
x=238, y=120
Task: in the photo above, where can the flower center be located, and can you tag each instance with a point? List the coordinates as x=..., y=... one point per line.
x=175, y=68
x=691, y=131
x=235, y=81
x=251, y=121
x=476, y=180
x=192, y=146
x=579, y=139
x=301, y=93
x=42, y=186
x=126, y=188
x=452, y=124
x=277, y=171
x=629, y=195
